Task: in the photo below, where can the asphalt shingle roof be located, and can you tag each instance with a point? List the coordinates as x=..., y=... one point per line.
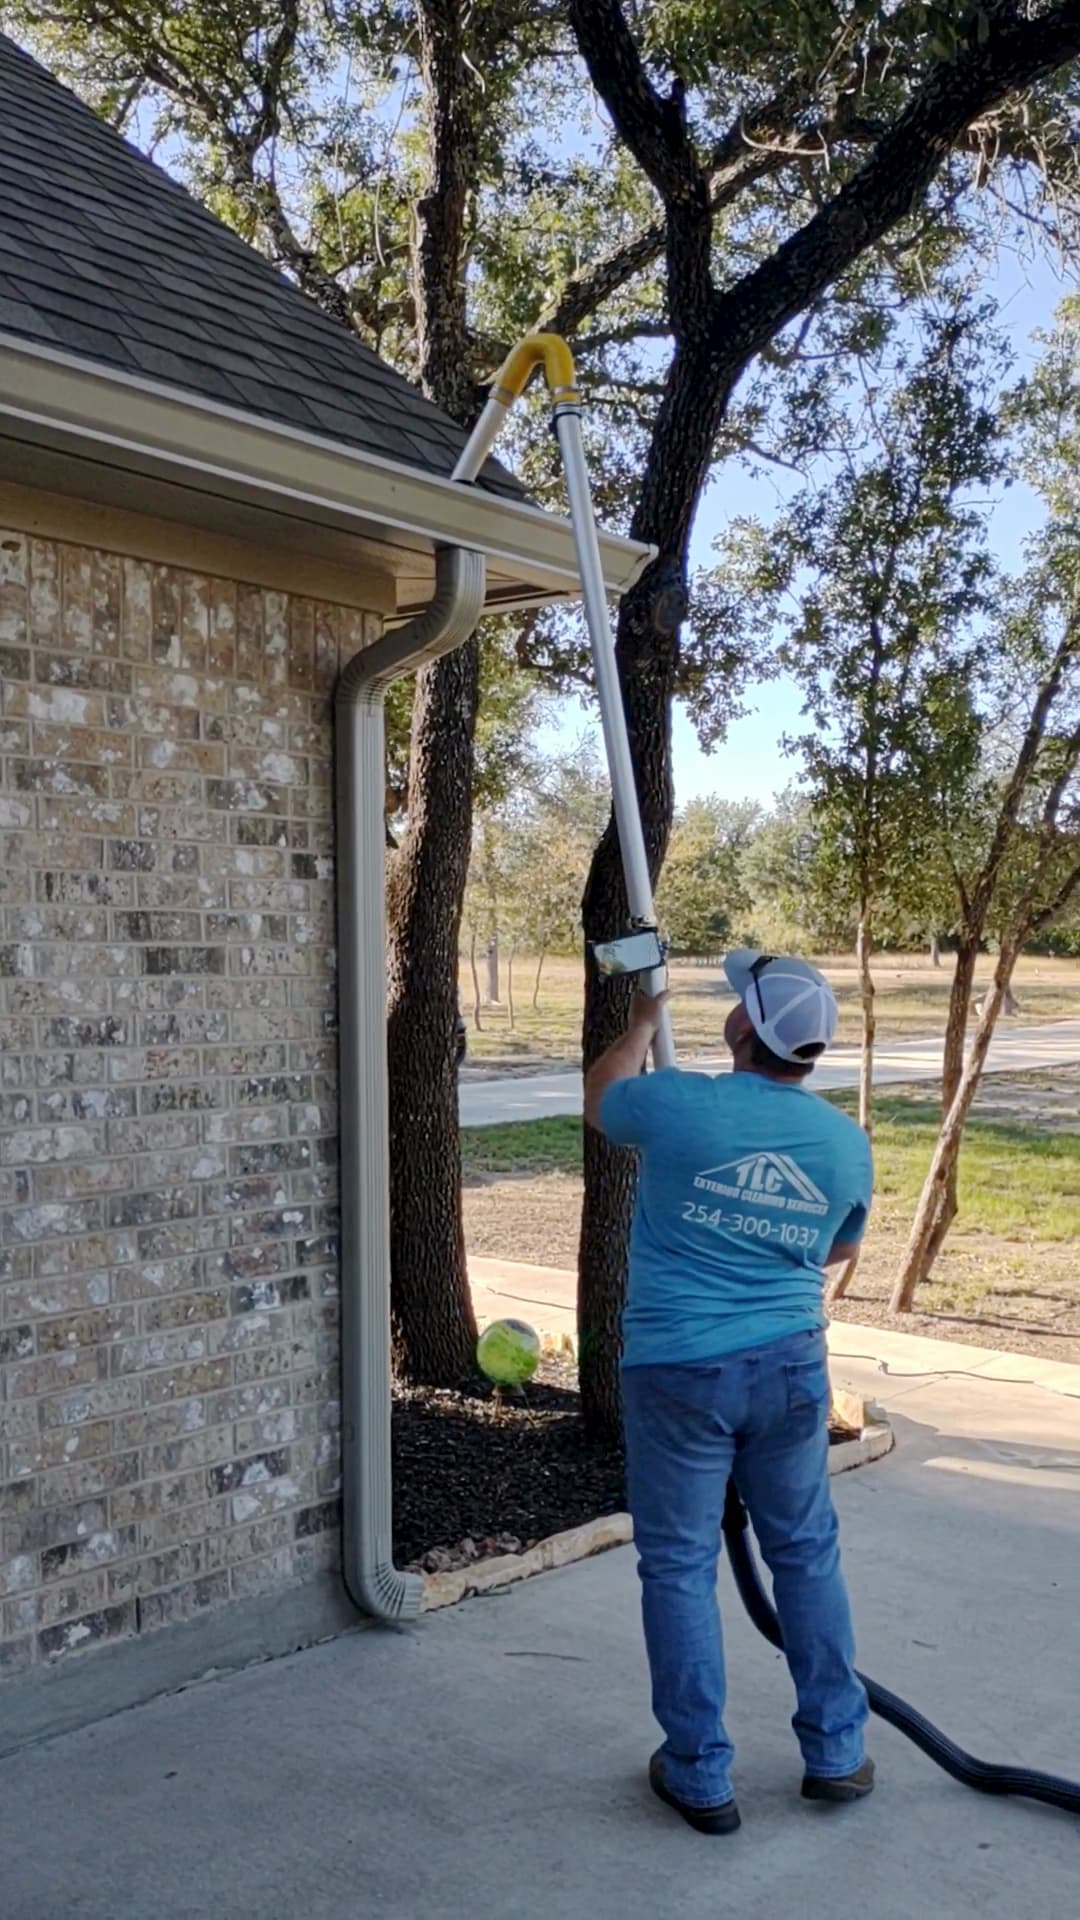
x=104, y=256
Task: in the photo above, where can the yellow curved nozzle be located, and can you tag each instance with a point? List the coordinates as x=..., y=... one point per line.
x=547, y=350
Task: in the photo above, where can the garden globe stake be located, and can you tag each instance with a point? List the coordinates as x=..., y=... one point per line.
x=548, y=351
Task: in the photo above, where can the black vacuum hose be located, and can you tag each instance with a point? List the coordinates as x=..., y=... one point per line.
x=986, y=1776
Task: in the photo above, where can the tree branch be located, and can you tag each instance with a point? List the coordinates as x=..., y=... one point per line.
x=1023, y=768
x=591, y=286
x=623, y=336
x=1047, y=914
x=452, y=98
x=1015, y=53
x=737, y=164
x=269, y=76
x=988, y=140
x=653, y=127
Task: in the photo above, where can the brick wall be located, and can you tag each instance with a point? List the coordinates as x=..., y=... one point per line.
x=168, y=1318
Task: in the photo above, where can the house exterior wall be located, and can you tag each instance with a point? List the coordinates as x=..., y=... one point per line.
x=168, y=1262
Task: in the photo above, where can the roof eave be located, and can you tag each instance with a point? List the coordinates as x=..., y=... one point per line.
x=53, y=398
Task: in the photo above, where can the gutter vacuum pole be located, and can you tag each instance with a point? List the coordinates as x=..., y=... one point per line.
x=553, y=354
x=609, y=693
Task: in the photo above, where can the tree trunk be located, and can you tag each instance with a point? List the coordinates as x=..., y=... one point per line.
x=493, y=971
x=475, y=971
x=937, y=1202
x=863, y=950
x=1010, y=1006
x=432, y=1320
x=935, y=950
x=946, y=1202
x=510, y=986
x=646, y=661
x=611, y=1172
x=647, y=654
x=536, y=982
x=433, y=1325
x=956, y=1024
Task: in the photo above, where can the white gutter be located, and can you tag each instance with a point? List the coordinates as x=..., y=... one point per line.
x=55, y=399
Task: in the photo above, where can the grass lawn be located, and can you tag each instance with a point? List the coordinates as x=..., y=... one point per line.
x=911, y=1003
x=1009, y=1262
x=1014, y=1180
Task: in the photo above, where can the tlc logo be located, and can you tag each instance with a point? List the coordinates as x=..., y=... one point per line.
x=760, y=1175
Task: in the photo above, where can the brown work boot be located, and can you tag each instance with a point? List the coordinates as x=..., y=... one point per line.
x=721, y=1819
x=849, y=1786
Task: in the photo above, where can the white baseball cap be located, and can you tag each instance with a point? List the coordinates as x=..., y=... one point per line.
x=789, y=1004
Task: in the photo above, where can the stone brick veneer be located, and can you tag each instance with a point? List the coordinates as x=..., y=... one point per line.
x=168, y=1312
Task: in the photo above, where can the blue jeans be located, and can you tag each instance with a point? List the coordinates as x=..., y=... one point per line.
x=761, y=1415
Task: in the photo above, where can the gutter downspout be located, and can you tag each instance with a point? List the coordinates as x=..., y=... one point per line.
x=374, y=1583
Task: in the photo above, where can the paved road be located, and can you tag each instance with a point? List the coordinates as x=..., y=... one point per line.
x=486, y=1103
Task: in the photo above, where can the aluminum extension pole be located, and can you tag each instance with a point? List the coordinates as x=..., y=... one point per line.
x=609, y=693
x=548, y=351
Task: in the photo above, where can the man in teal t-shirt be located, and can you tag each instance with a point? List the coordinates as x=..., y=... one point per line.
x=750, y=1187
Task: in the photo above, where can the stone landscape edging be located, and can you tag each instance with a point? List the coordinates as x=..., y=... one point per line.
x=600, y=1535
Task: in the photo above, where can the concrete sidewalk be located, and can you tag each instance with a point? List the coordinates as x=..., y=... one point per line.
x=491, y=1761
x=547, y=1298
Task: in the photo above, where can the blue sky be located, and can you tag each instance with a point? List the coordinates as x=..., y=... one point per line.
x=749, y=764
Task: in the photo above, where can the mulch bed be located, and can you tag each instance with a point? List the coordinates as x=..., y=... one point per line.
x=473, y=1478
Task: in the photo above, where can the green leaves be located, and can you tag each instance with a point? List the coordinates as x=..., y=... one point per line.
x=1044, y=412
x=702, y=896
x=512, y=706
x=877, y=576
x=531, y=850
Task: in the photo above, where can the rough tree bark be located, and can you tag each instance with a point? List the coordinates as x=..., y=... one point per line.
x=946, y=1199
x=863, y=948
x=716, y=335
x=434, y=1327
x=938, y=1201
x=475, y=971
x=493, y=971
x=647, y=655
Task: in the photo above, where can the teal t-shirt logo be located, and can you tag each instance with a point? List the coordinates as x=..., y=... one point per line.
x=746, y=1184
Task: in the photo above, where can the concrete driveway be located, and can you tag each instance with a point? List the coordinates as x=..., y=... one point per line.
x=485, y=1103
x=491, y=1761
